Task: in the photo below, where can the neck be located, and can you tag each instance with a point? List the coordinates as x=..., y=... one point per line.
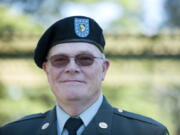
x=75, y=108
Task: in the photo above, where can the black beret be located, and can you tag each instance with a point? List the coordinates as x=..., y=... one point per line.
x=70, y=29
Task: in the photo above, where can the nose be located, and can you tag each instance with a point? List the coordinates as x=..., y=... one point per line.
x=72, y=67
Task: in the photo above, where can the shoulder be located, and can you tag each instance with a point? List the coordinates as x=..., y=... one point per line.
x=127, y=122
x=27, y=118
x=28, y=124
x=137, y=118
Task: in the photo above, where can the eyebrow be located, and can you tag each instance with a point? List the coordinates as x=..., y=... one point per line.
x=81, y=52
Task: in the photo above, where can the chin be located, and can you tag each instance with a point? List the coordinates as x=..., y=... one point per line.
x=71, y=92
x=74, y=97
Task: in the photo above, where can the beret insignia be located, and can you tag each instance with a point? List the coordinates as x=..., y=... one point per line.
x=81, y=27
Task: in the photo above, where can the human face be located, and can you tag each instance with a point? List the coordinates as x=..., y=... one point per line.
x=73, y=82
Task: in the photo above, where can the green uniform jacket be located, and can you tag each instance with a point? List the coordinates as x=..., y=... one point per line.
x=107, y=121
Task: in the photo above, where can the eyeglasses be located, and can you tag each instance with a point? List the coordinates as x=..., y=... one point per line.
x=62, y=60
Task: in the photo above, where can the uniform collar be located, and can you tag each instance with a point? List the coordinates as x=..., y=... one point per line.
x=48, y=126
x=102, y=122
x=104, y=115
x=86, y=116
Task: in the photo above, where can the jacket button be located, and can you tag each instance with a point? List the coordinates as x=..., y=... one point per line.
x=46, y=125
x=103, y=125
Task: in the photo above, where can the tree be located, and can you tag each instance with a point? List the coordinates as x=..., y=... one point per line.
x=12, y=23
x=47, y=11
x=172, y=8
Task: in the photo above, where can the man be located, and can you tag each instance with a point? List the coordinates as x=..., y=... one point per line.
x=71, y=54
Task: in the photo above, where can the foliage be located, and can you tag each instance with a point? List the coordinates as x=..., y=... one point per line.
x=127, y=44
x=173, y=13
x=170, y=99
x=128, y=23
x=83, y=1
x=47, y=11
x=12, y=23
x=130, y=5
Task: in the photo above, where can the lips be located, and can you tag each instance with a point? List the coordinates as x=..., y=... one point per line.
x=72, y=81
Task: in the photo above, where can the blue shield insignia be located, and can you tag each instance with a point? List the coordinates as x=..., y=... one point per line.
x=81, y=27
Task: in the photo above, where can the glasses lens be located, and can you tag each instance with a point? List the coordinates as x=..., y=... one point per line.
x=84, y=59
x=59, y=60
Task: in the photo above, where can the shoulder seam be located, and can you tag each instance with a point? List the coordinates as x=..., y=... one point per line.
x=147, y=119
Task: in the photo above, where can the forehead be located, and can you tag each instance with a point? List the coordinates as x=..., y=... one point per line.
x=74, y=48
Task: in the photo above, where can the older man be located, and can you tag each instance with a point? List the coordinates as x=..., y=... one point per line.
x=71, y=54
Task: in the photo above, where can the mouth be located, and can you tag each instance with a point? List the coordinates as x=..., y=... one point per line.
x=72, y=81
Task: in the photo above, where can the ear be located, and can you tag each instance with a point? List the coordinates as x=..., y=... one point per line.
x=105, y=67
x=45, y=67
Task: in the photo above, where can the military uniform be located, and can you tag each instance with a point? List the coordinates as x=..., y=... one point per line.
x=107, y=121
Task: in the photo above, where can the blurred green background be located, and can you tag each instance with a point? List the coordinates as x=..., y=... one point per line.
x=142, y=43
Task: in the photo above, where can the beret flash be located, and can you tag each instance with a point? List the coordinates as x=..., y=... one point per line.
x=70, y=29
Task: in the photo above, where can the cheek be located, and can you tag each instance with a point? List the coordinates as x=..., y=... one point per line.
x=53, y=82
x=94, y=76
x=53, y=76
